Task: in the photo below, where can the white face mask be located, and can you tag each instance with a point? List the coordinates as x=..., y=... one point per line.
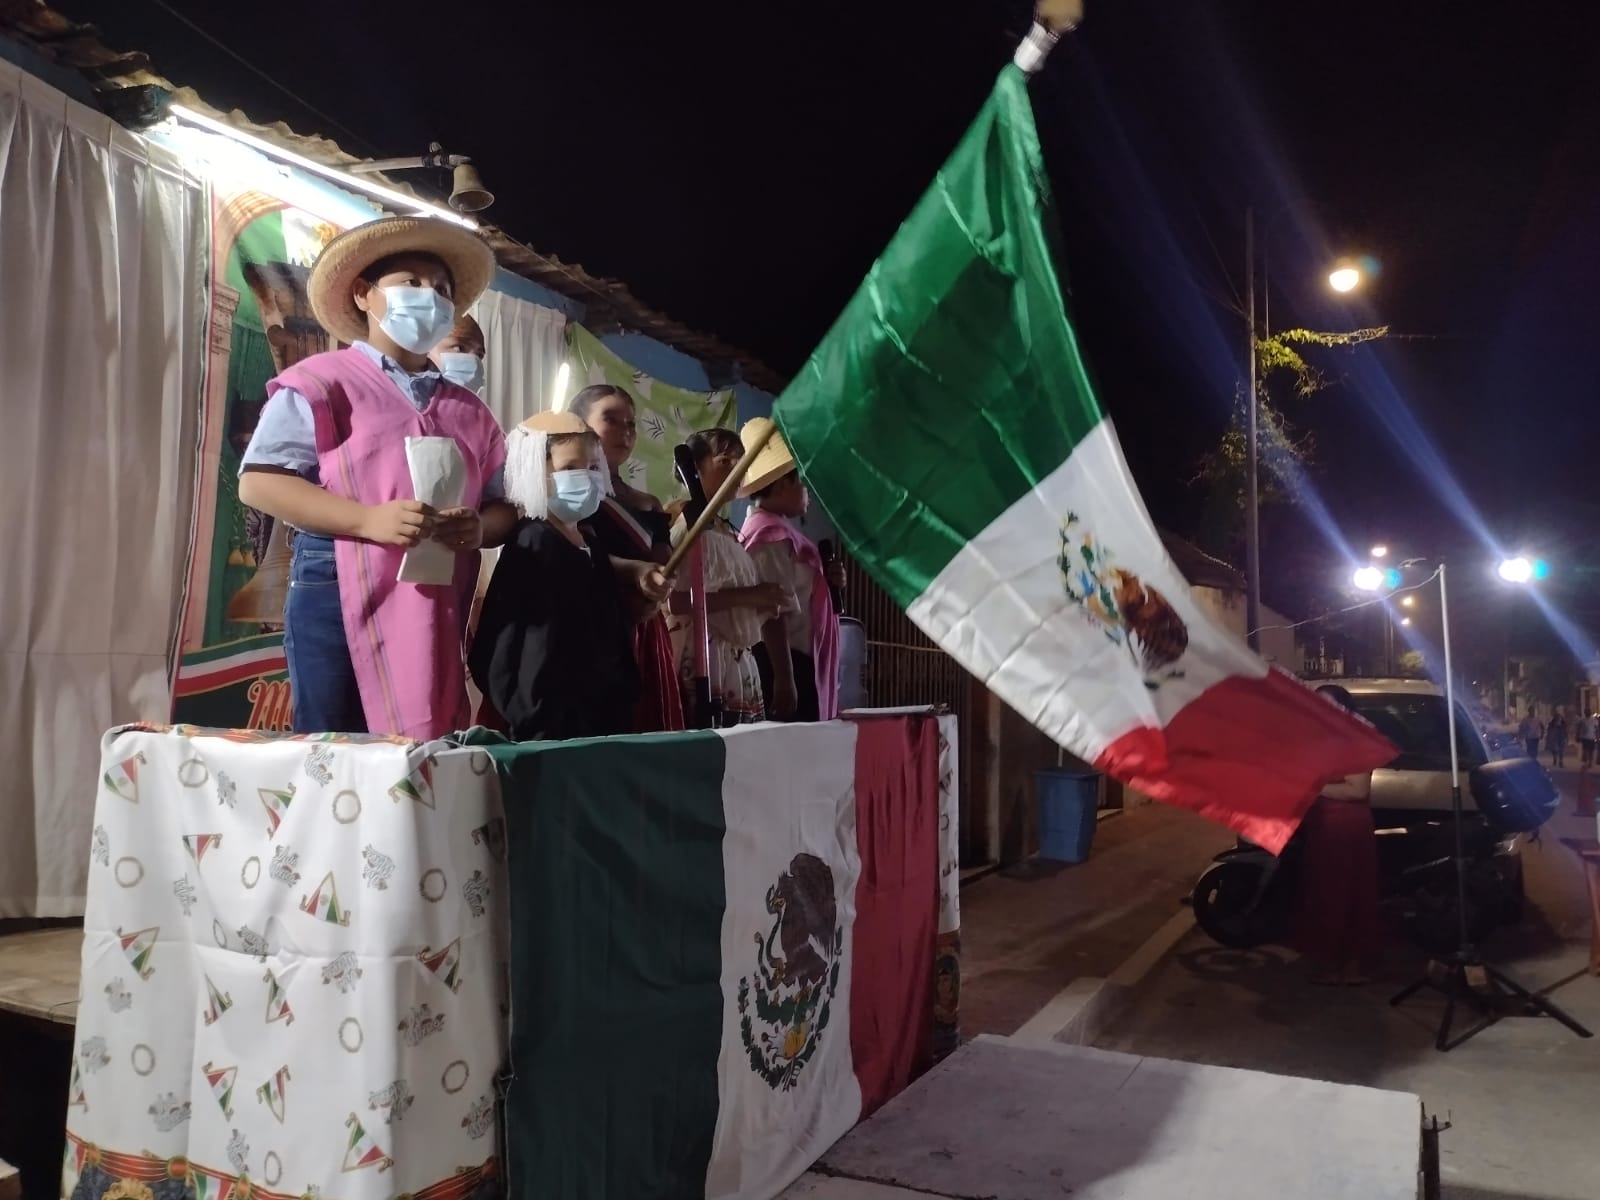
x=418, y=319
x=575, y=495
x=463, y=369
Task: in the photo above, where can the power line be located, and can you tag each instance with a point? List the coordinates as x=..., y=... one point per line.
x=1384, y=599
x=260, y=74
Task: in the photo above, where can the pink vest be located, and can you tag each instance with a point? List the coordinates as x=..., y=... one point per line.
x=405, y=639
x=760, y=527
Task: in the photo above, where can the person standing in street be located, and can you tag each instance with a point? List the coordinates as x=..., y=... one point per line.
x=1555, y=739
x=1531, y=731
x=1584, y=729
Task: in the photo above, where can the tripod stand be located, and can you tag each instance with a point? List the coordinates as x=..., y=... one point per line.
x=1465, y=975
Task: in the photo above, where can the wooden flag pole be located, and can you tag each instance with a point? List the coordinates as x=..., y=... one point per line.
x=714, y=505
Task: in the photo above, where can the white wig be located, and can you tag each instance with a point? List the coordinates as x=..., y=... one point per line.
x=528, y=459
x=527, y=471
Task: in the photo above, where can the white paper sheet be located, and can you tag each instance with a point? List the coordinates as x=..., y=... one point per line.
x=438, y=479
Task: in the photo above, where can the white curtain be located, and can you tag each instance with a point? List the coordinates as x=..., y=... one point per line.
x=102, y=257
x=526, y=344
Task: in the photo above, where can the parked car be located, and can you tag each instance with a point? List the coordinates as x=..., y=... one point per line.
x=1245, y=897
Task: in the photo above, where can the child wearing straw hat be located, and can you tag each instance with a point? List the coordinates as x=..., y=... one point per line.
x=554, y=649
x=365, y=651
x=799, y=652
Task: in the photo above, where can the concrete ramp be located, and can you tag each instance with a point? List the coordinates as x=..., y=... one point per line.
x=1011, y=1121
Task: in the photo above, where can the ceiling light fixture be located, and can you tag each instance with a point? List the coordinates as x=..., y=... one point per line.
x=410, y=205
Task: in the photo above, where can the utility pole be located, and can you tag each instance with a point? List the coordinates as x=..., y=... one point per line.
x=1252, y=512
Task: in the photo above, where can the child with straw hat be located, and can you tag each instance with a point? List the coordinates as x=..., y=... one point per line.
x=365, y=651
x=799, y=652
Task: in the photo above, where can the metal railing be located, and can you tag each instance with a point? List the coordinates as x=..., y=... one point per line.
x=905, y=667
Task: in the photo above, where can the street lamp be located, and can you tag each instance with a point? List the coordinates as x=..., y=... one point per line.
x=1344, y=279
x=1408, y=602
x=1516, y=570
x=1380, y=552
x=1368, y=579
x=1524, y=570
x=1467, y=963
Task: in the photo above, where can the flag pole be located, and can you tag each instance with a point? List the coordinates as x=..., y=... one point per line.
x=715, y=503
x=1051, y=18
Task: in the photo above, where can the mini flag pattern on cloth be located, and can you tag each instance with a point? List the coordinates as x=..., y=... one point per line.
x=948, y=426
x=301, y=1000
x=687, y=916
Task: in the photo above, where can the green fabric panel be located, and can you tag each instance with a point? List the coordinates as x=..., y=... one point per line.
x=952, y=382
x=614, y=853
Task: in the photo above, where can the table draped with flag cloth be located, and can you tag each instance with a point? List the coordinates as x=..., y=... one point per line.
x=296, y=955
x=291, y=971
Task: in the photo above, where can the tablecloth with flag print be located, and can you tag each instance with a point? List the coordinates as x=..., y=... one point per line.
x=724, y=949
x=292, y=981
x=728, y=948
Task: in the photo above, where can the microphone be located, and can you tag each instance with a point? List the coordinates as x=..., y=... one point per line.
x=830, y=554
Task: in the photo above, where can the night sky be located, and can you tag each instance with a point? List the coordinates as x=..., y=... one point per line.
x=739, y=166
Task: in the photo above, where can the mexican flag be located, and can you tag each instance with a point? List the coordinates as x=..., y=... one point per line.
x=722, y=951
x=950, y=430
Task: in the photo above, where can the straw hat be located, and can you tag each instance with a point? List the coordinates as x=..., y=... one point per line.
x=555, y=423
x=774, y=461
x=334, y=275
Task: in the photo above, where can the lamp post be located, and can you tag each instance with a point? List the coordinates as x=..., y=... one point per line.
x=1466, y=964
x=1344, y=278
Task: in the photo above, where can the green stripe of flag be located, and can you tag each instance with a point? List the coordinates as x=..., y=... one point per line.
x=952, y=383
x=617, y=903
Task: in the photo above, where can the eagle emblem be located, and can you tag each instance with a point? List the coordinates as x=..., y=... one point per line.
x=784, y=1005
x=1130, y=612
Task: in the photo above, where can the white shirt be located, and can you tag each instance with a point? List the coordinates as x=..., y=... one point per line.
x=777, y=564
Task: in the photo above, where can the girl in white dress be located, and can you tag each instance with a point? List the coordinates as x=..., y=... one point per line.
x=737, y=601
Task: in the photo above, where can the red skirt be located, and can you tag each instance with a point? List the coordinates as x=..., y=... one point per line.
x=1338, y=916
x=660, y=704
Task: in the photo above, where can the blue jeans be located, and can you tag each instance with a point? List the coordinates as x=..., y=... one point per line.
x=322, y=682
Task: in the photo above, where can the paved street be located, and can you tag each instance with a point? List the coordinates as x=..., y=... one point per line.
x=1030, y=931
x=1524, y=1095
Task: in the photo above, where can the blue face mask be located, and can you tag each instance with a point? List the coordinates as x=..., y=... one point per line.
x=418, y=319
x=574, y=495
x=463, y=369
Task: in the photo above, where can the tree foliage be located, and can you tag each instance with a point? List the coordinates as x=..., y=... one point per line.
x=1285, y=452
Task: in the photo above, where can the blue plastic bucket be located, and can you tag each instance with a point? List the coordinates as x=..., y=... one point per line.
x=1068, y=801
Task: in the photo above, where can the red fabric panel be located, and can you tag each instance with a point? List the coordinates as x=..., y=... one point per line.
x=1337, y=916
x=1251, y=754
x=660, y=706
x=897, y=900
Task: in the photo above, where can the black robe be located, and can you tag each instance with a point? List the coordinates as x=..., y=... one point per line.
x=553, y=652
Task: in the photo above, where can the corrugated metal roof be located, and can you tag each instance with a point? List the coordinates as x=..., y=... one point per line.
x=609, y=305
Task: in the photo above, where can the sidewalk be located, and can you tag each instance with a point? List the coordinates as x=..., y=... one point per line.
x=1522, y=1094
x=1029, y=931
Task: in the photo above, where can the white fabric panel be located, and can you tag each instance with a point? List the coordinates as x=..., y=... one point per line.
x=526, y=343
x=783, y=786
x=292, y=967
x=1002, y=609
x=102, y=250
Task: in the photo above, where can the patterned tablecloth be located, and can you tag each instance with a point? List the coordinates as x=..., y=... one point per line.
x=295, y=962
x=292, y=977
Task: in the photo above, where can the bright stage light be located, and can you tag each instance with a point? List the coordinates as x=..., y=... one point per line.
x=1516, y=570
